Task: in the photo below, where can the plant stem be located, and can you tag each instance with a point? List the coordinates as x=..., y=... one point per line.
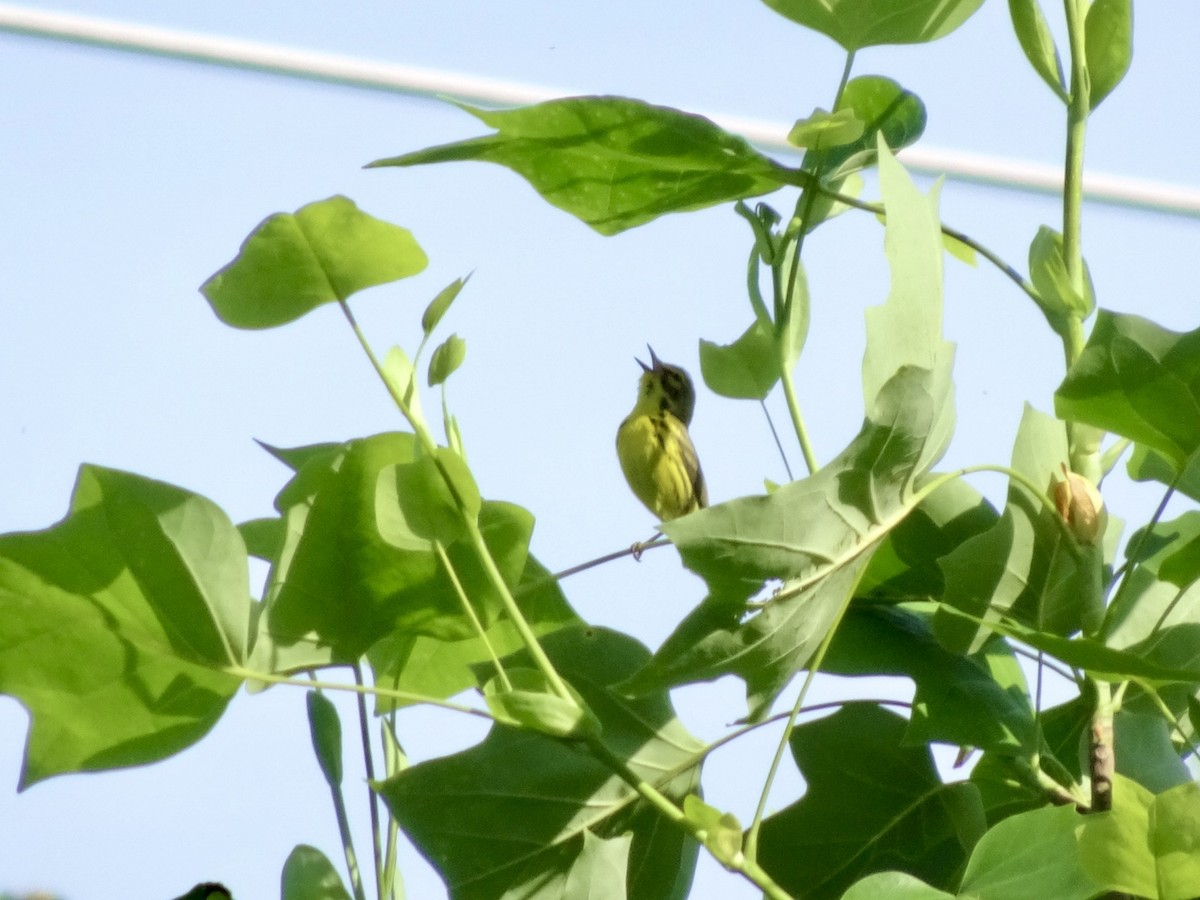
x=806, y=448
x=470, y=611
x=743, y=865
x=814, y=666
x=485, y=557
x=375, y=690
x=369, y=766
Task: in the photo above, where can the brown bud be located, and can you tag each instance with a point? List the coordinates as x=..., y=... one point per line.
x=1081, y=507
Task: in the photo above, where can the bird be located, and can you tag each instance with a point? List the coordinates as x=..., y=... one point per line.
x=654, y=447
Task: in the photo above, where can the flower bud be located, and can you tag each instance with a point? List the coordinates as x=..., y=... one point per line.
x=1081, y=507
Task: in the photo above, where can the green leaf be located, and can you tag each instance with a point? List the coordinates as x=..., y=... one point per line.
x=1094, y=658
x=612, y=162
x=448, y=356
x=425, y=665
x=309, y=875
x=722, y=831
x=823, y=130
x=356, y=569
x=1059, y=300
x=1116, y=847
x=437, y=497
x=1038, y=43
x=1144, y=752
x=978, y=701
x=294, y=262
x=816, y=536
x=402, y=380
x=1026, y=565
x=528, y=702
x=1139, y=380
x=745, y=369
x=905, y=567
x=1108, y=43
x=867, y=23
x=523, y=826
x=1147, y=465
x=119, y=622
x=1031, y=854
x=263, y=538
x=440, y=304
x=894, y=886
x=325, y=728
x=888, y=111
x=871, y=805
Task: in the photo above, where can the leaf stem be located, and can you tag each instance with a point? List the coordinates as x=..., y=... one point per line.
x=369, y=767
x=374, y=690
x=741, y=863
x=814, y=666
x=962, y=237
x=472, y=525
x=470, y=611
x=793, y=405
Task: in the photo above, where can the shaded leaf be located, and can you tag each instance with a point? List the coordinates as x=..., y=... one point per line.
x=612, y=162
x=490, y=827
x=977, y=701
x=325, y=729
x=1027, y=565
x=428, y=666
x=1139, y=380
x=294, y=262
x=119, y=622
x=309, y=875
x=871, y=806
x=355, y=569
x=745, y=369
x=887, y=111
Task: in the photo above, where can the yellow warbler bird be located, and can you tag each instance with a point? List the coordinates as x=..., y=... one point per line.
x=653, y=444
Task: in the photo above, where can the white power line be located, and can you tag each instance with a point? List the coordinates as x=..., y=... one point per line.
x=1008, y=173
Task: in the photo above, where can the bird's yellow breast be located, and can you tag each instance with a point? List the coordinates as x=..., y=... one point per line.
x=659, y=462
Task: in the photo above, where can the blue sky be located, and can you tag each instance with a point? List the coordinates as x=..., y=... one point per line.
x=129, y=180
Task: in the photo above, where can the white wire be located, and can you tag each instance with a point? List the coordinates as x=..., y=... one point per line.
x=1006, y=173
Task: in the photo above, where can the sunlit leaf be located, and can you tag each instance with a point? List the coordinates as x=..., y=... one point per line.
x=813, y=538
x=295, y=262
x=1031, y=854
x=119, y=622
x=612, y=162
x=447, y=357
x=865, y=23
x=1108, y=41
x=1029, y=22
